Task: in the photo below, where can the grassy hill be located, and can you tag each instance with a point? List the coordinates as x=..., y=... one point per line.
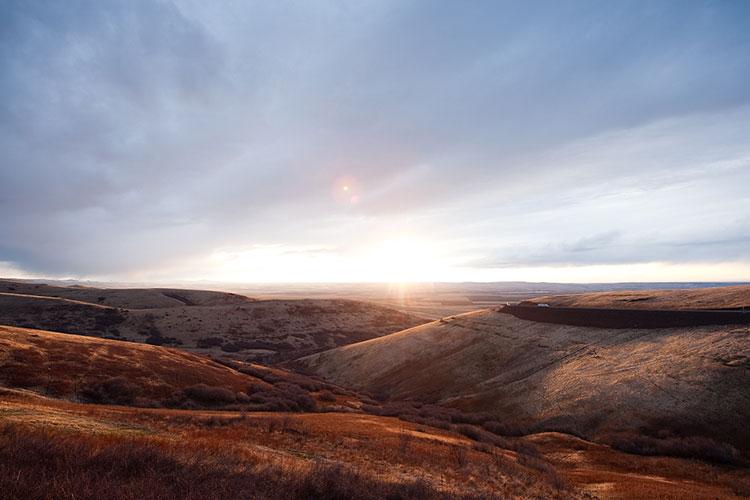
x=127, y=298
x=602, y=384
x=52, y=444
x=726, y=297
x=167, y=413
x=213, y=323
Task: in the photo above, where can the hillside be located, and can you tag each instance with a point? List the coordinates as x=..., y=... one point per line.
x=591, y=382
x=93, y=370
x=127, y=298
x=214, y=323
x=726, y=297
x=63, y=365
x=45, y=376
x=46, y=434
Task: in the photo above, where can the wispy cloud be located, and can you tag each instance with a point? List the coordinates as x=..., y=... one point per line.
x=137, y=134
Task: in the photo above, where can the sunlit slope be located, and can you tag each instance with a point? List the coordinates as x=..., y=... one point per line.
x=62, y=364
x=728, y=297
x=587, y=381
x=41, y=372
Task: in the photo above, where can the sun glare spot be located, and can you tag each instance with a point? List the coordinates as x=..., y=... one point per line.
x=346, y=190
x=403, y=260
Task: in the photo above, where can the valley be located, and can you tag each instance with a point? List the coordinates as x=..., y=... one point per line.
x=475, y=405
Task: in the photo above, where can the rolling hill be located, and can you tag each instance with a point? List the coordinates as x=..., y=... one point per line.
x=63, y=365
x=148, y=395
x=127, y=298
x=215, y=323
x=591, y=382
x=726, y=297
x=53, y=445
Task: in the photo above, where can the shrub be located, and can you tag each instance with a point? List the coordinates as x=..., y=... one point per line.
x=327, y=396
x=482, y=436
x=115, y=390
x=159, y=340
x=208, y=342
x=281, y=397
x=264, y=375
x=547, y=469
x=483, y=447
x=210, y=395
x=695, y=447
x=505, y=429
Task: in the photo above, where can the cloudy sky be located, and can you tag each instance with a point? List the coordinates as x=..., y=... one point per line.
x=375, y=140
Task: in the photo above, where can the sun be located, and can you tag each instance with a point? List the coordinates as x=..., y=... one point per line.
x=402, y=260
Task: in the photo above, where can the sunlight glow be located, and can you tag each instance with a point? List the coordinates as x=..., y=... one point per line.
x=402, y=260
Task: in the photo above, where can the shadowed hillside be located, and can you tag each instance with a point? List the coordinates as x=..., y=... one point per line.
x=208, y=322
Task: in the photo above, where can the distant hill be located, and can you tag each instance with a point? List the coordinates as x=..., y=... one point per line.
x=592, y=382
x=127, y=298
x=216, y=323
x=728, y=297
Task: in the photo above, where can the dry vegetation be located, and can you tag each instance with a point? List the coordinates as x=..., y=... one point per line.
x=684, y=387
x=53, y=447
x=728, y=297
x=104, y=371
x=385, y=423
x=215, y=323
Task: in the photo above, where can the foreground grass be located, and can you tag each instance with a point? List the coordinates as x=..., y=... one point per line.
x=48, y=464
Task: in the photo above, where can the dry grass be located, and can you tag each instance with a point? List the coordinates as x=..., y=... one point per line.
x=215, y=323
x=726, y=297
x=199, y=454
x=537, y=377
x=52, y=464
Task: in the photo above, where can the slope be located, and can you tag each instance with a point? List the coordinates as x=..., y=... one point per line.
x=216, y=324
x=591, y=382
x=727, y=297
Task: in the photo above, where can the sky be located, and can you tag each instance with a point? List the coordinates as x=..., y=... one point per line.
x=395, y=141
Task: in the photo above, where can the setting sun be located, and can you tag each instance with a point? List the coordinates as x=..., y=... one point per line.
x=401, y=260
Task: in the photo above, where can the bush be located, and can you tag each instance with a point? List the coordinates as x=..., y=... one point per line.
x=116, y=390
x=505, y=429
x=281, y=397
x=694, y=447
x=327, y=396
x=208, y=342
x=159, y=340
x=264, y=375
x=482, y=436
x=209, y=395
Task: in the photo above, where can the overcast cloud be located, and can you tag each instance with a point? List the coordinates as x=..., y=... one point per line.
x=139, y=136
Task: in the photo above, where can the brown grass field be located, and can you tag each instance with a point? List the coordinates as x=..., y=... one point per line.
x=727, y=297
x=60, y=449
x=597, y=383
x=604, y=414
x=214, y=323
